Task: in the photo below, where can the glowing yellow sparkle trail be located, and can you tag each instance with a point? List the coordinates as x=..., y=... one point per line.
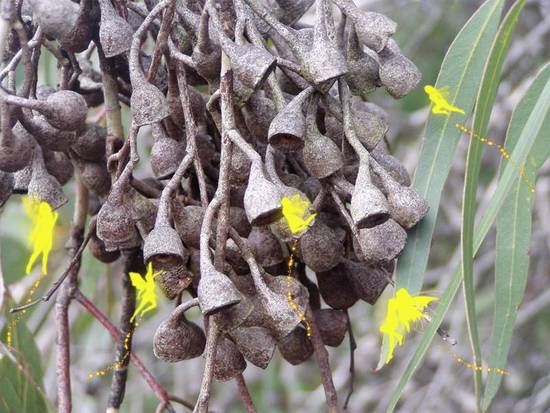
x=41, y=236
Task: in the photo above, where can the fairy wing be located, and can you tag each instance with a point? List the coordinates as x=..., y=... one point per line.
x=137, y=281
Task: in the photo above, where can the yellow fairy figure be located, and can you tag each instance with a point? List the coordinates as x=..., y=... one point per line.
x=41, y=236
x=146, y=295
x=439, y=99
x=296, y=213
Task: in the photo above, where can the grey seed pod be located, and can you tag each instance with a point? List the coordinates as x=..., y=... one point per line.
x=369, y=207
x=188, y=222
x=65, y=110
x=265, y=246
x=45, y=134
x=97, y=248
x=336, y=289
x=382, y=243
x=333, y=325
x=239, y=314
x=58, y=165
x=95, y=176
x=239, y=221
x=287, y=130
x=369, y=127
x=262, y=200
x=16, y=149
x=90, y=145
x=42, y=185
x=115, y=34
x=166, y=153
x=164, y=241
x=235, y=258
x=240, y=167
x=258, y=114
x=296, y=346
x=255, y=343
x=216, y=292
x=22, y=178
x=178, y=339
x=362, y=76
x=398, y=74
x=7, y=184
x=148, y=104
x=407, y=207
x=320, y=247
x=392, y=165
x=228, y=361
x=368, y=281
x=290, y=11
x=173, y=277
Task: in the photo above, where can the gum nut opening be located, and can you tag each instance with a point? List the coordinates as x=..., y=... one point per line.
x=287, y=129
x=369, y=207
x=164, y=241
x=148, y=104
x=382, y=243
x=296, y=347
x=216, y=292
x=262, y=199
x=228, y=361
x=177, y=340
x=333, y=325
x=320, y=247
x=68, y=110
x=255, y=343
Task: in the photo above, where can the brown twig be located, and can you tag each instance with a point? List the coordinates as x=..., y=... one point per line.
x=245, y=394
x=352, y=348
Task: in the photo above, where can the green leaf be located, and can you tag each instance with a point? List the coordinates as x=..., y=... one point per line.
x=461, y=72
x=21, y=373
x=13, y=258
x=512, y=244
x=482, y=114
x=532, y=132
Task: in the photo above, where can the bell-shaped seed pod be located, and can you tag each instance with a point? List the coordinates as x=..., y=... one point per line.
x=321, y=155
x=228, y=361
x=16, y=149
x=115, y=33
x=44, y=186
x=368, y=281
x=398, y=74
x=206, y=53
x=296, y=347
x=90, y=145
x=373, y=29
x=320, y=247
x=392, y=165
x=382, y=243
x=288, y=127
x=7, y=184
x=174, y=277
x=266, y=247
x=255, y=343
x=22, y=178
x=369, y=207
x=407, y=207
x=97, y=248
x=239, y=314
x=178, y=339
x=369, y=127
x=166, y=154
x=262, y=199
x=258, y=114
x=323, y=61
x=239, y=221
x=58, y=165
x=163, y=241
x=115, y=226
x=216, y=292
x=95, y=176
x=240, y=167
x=362, y=76
x=188, y=222
x=336, y=289
x=333, y=325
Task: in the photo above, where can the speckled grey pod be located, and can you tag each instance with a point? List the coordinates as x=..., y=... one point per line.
x=369, y=207
x=265, y=246
x=115, y=34
x=362, y=76
x=56, y=18
x=90, y=145
x=95, y=176
x=320, y=247
x=234, y=258
x=333, y=325
x=178, y=339
x=228, y=361
x=368, y=281
x=392, y=165
x=287, y=130
x=216, y=292
x=239, y=221
x=188, y=222
x=97, y=248
x=240, y=167
x=7, y=184
x=16, y=151
x=163, y=241
x=46, y=135
x=407, y=207
x=258, y=114
x=382, y=243
x=398, y=74
x=44, y=186
x=166, y=153
x=262, y=199
x=296, y=346
x=369, y=127
x=148, y=104
x=22, y=178
x=290, y=11
x=238, y=314
x=255, y=343
x=336, y=289
x=66, y=110
x=173, y=277
x=58, y=165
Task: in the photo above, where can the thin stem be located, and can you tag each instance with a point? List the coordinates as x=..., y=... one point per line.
x=245, y=394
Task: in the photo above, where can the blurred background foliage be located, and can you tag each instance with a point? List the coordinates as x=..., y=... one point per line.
x=426, y=29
